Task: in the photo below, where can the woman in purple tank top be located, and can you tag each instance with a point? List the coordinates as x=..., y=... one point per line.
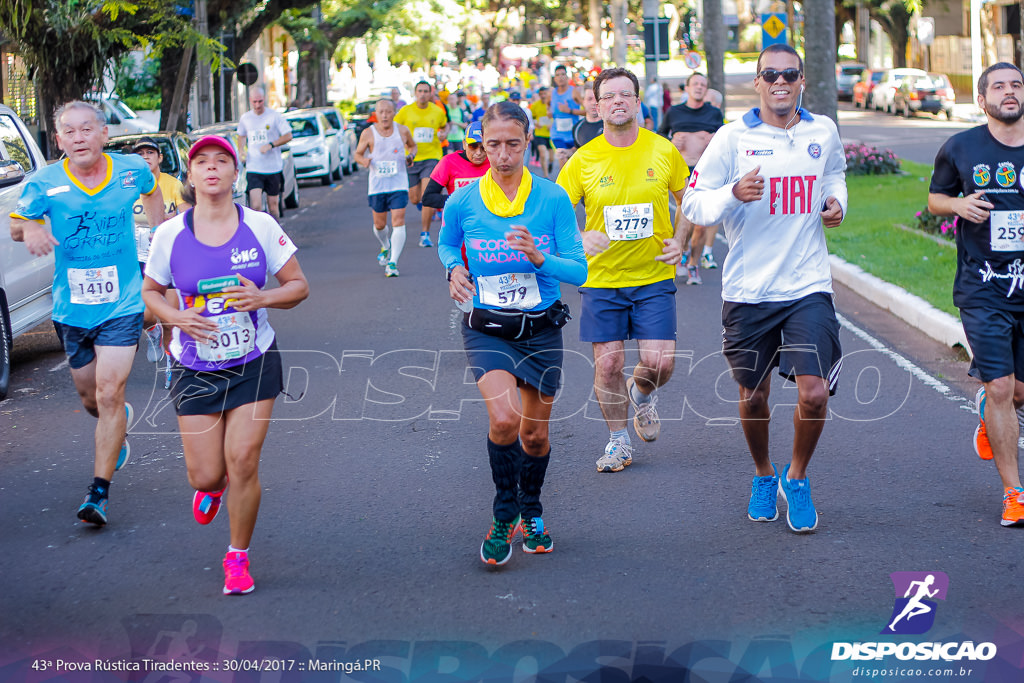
x=227, y=371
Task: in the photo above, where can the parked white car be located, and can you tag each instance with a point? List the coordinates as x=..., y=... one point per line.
x=121, y=120
x=315, y=147
x=347, y=139
x=884, y=95
x=26, y=281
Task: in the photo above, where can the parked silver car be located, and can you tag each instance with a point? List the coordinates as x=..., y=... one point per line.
x=26, y=281
x=847, y=74
x=229, y=131
x=315, y=146
x=883, y=97
x=348, y=140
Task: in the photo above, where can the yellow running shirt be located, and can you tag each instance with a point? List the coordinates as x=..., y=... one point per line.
x=541, y=119
x=626, y=191
x=423, y=125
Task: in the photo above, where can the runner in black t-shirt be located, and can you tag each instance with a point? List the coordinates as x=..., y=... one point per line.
x=977, y=177
x=591, y=125
x=690, y=126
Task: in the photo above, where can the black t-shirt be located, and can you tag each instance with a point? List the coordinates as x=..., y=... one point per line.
x=990, y=254
x=584, y=131
x=682, y=119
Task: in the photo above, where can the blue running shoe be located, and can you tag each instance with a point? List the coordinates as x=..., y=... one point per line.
x=94, y=509
x=763, y=497
x=800, y=513
x=126, y=450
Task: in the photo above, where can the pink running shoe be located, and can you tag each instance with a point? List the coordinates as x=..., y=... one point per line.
x=236, y=574
x=205, y=506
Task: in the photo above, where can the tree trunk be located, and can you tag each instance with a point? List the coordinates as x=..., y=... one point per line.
x=896, y=24
x=170, y=65
x=306, y=72
x=714, y=45
x=595, y=15
x=988, y=35
x=618, y=10
x=820, y=59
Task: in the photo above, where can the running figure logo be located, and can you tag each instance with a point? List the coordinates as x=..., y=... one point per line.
x=913, y=612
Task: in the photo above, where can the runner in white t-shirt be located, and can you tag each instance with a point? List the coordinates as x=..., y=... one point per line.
x=263, y=131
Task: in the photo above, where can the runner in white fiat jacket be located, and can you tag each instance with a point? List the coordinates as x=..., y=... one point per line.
x=776, y=179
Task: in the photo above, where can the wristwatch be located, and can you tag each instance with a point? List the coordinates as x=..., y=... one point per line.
x=450, y=270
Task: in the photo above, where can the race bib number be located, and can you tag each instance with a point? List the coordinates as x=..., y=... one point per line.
x=386, y=168
x=255, y=138
x=511, y=290
x=1007, y=230
x=91, y=286
x=563, y=125
x=423, y=135
x=235, y=338
x=463, y=182
x=544, y=121
x=143, y=238
x=629, y=221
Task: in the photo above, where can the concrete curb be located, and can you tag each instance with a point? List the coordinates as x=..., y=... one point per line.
x=912, y=309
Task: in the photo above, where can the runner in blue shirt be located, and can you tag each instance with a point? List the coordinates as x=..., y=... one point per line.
x=97, y=285
x=521, y=242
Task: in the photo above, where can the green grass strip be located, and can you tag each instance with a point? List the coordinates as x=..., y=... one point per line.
x=869, y=238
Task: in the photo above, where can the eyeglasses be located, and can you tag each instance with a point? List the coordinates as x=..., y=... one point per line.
x=624, y=94
x=772, y=75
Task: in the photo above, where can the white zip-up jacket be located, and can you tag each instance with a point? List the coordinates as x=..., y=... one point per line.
x=777, y=246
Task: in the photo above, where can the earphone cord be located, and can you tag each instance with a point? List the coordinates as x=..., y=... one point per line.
x=796, y=113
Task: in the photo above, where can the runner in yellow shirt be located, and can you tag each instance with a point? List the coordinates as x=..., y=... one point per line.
x=428, y=123
x=624, y=177
x=542, y=129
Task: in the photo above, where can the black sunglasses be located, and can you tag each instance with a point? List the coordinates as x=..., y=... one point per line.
x=772, y=75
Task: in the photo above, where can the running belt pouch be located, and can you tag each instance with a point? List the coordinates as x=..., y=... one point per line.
x=517, y=325
x=558, y=314
x=511, y=325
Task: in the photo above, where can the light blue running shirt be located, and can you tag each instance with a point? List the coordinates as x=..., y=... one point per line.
x=96, y=275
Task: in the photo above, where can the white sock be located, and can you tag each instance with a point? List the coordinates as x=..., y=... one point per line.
x=382, y=237
x=707, y=250
x=397, y=243
x=233, y=549
x=619, y=435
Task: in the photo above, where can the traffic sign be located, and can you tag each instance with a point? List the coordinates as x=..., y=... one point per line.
x=773, y=29
x=247, y=73
x=656, y=46
x=692, y=59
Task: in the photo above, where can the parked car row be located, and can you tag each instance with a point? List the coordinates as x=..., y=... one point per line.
x=25, y=280
x=904, y=92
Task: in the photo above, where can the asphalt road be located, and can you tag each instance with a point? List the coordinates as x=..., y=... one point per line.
x=377, y=495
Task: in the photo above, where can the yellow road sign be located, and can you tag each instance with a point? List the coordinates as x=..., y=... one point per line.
x=773, y=26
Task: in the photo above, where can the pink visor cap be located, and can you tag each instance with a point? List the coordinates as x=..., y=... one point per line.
x=213, y=141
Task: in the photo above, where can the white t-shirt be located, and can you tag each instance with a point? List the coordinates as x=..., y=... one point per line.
x=259, y=130
x=653, y=95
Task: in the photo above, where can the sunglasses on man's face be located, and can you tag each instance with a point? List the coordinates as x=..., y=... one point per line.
x=772, y=75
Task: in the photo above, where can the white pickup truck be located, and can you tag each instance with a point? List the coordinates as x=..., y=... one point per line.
x=25, y=280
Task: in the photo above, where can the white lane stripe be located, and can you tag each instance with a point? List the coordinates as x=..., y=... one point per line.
x=902, y=362
x=60, y=366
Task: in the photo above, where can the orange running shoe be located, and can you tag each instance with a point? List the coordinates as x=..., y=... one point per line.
x=1013, y=507
x=981, y=443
